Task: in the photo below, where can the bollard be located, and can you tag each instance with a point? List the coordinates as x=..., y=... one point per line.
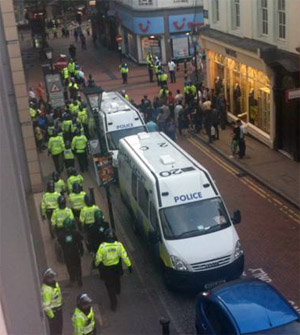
x=92, y=194
x=165, y=324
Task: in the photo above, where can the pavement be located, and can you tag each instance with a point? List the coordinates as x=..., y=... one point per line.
x=141, y=314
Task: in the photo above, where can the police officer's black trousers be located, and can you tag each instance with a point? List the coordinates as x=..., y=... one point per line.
x=56, y=324
x=74, y=270
x=58, y=162
x=111, y=275
x=150, y=72
x=124, y=77
x=82, y=161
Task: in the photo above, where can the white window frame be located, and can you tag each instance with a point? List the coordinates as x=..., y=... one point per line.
x=264, y=16
x=236, y=14
x=216, y=11
x=145, y=2
x=281, y=15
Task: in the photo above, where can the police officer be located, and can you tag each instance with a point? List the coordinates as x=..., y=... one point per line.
x=59, y=184
x=73, y=88
x=52, y=302
x=56, y=148
x=71, y=67
x=150, y=65
x=82, y=116
x=70, y=241
x=109, y=254
x=83, y=318
x=49, y=203
x=65, y=75
x=124, y=72
x=73, y=176
x=76, y=199
x=163, y=79
x=66, y=126
x=74, y=106
x=125, y=95
x=79, y=146
x=33, y=112
x=60, y=214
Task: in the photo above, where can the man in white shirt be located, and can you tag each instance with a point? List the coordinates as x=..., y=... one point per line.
x=172, y=66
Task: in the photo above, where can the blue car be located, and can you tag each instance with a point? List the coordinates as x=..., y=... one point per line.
x=247, y=306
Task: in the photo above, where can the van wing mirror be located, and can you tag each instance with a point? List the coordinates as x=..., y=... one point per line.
x=237, y=218
x=94, y=147
x=153, y=237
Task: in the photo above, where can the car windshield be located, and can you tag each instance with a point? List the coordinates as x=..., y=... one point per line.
x=194, y=219
x=114, y=137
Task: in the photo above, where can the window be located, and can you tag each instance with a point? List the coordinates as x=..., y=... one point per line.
x=134, y=185
x=153, y=216
x=143, y=197
x=264, y=17
x=281, y=19
x=145, y=2
x=215, y=10
x=236, y=14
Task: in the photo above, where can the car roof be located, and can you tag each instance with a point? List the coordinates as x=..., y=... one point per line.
x=252, y=299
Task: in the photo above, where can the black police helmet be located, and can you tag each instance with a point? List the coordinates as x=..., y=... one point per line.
x=50, y=186
x=88, y=200
x=62, y=202
x=83, y=299
x=55, y=176
x=77, y=132
x=109, y=234
x=76, y=188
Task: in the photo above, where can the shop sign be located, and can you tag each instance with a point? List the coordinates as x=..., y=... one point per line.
x=181, y=23
x=104, y=169
x=292, y=94
x=231, y=52
x=148, y=25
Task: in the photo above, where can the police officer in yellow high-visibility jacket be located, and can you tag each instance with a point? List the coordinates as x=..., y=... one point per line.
x=52, y=302
x=79, y=146
x=124, y=72
x=65, y=75
x=60, y=214
x=109, y=254
x=56, y=147
x=83, y=318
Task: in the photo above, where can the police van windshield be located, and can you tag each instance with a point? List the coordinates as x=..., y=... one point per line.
x=194, y=219
x=114, y=137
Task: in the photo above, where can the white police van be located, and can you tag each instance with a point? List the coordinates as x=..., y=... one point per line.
x=180, y=212
x=116, y=119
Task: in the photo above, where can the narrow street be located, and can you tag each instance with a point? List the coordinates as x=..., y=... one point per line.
x=269, y=231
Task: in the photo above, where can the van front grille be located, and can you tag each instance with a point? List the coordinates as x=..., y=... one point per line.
x=211, y=264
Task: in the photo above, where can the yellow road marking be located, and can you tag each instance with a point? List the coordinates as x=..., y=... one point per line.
x=246, y=181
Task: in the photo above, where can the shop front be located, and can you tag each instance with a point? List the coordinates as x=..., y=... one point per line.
x=179, y=28
x=247, y=87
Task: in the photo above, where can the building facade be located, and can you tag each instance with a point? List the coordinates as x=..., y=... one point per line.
x=159, y=27
x=252, y=46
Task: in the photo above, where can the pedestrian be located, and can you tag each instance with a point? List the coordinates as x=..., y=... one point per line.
x=73, y=177
x=52, y=302
x=83, y=318
x=183, y=122
x=170, y=128
x=32, y=96
x=79, y=147
x=76, y=199
x=152, y=126
x=76, y=35
x=70, y=241
x=72, y=51
x=59, y=184
x=178, y=97
x=215, y=119
x=41, y=95
x=56, y=148
x=94, y=38
x=83, y=41
x=208, y=123
x=235, y=139
x=172, y=66
x=171, y=103
x=242, y=142
x=87, y=29
x=124, y=72
x=69, y=160
x=109, y=254
x=54, y=31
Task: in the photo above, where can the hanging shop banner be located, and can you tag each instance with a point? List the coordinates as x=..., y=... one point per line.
x=104, y=169
x=180, y=46
x=181, y=23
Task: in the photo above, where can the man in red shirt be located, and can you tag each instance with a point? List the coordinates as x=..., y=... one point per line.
x=41, y=95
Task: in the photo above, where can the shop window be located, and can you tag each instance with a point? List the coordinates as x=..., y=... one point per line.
x=151, y=45
x=143, y=197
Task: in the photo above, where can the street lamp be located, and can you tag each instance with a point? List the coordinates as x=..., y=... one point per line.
x=94, y=98
x=49, y=55
x=194, y=35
